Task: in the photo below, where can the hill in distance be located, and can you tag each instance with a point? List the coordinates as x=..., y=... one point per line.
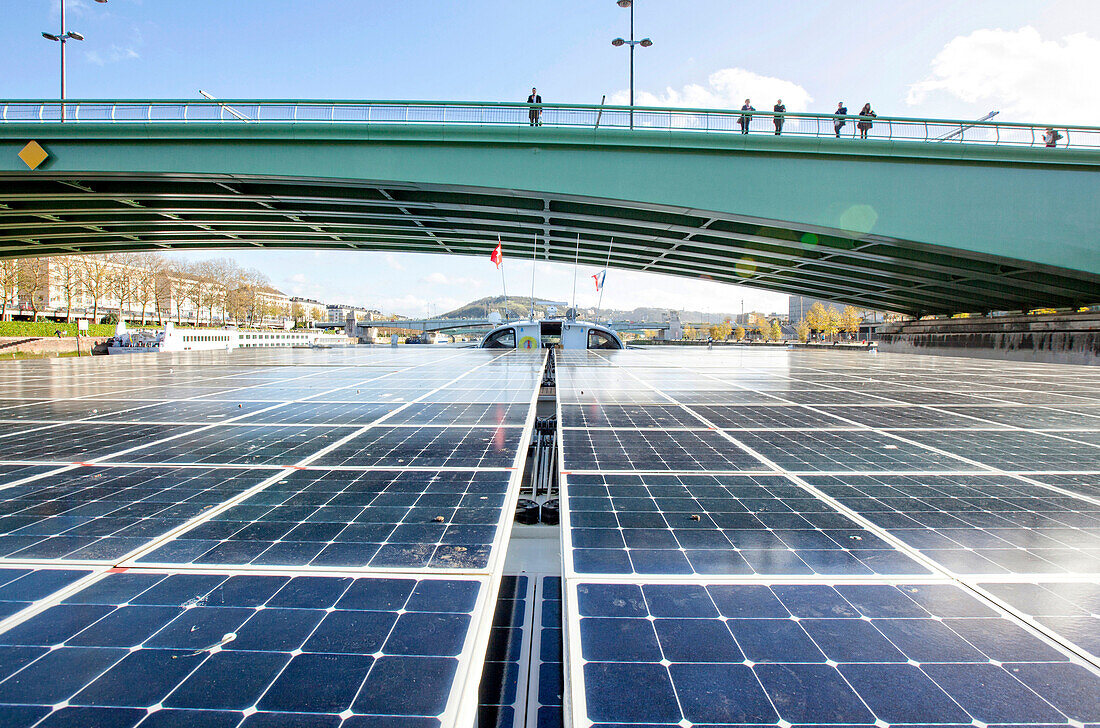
x=521, y=306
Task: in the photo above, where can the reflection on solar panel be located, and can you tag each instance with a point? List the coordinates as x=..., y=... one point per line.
x=814, y=654
x=100, y=514
x=239, y=645
x=20, y=588
x=906, y=553
x=723, y=524
x=340, y=518
x=257, y=583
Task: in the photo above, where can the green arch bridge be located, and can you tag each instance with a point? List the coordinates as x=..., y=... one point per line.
x=924, y=216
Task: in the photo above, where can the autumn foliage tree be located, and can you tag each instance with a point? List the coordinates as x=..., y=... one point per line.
x=850, y=321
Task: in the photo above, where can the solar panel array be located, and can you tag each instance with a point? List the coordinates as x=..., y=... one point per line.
x=263, y=538
x=769, y=537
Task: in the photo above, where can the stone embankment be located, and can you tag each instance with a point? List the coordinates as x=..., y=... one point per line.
x=1065, y=338
x=53, y=345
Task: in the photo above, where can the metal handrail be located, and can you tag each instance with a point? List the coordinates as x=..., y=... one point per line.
x=647, y=119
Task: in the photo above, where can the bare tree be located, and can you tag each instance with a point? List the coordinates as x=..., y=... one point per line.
x=34, y=283
x=148, y=267
x=9, y=285
x=97, y=280
x=70, y=279
x=125, y=277
x=221, y=272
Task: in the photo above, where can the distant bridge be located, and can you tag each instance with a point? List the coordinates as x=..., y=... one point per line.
x=442, y=324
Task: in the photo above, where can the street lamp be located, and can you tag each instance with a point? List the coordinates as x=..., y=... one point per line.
x=644, y=43
x=63, y=37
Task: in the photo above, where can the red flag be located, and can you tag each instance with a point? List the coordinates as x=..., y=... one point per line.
x=498, y=255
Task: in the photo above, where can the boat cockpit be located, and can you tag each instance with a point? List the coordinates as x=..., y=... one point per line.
x=551, y=334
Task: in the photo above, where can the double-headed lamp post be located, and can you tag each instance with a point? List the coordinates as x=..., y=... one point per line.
x=63, y=37
x=644, y=43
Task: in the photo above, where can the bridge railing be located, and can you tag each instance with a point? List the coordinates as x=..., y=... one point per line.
x=640, y=118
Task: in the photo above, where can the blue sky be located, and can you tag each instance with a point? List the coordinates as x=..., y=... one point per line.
x=1031, y=59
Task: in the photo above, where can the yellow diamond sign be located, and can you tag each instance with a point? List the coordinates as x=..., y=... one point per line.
x=33, y=154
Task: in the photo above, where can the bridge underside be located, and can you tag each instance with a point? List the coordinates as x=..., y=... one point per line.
x=56, y=214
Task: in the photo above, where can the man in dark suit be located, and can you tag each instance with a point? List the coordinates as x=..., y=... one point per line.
x=746, y=118
x=779, y=108
x=536, y=113
x=838, y=124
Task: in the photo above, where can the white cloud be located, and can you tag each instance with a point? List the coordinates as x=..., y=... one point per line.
x=439, y=278
x=724, y=89
x=113, y=54
x=392, y=262
x=1020, y=74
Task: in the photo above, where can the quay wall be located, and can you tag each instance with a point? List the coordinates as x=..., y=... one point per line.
x=1068, y=338
x=46, y=345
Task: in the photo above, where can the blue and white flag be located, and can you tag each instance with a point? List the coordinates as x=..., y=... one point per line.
x=599, y=279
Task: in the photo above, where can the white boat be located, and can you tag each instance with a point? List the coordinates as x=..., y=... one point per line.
x=551, y=333
x=172, y=339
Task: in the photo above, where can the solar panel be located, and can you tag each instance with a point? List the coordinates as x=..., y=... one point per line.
x=254, y=586
x=435, y=447
x=884, y=565
x=716, y=653
x=138, y=643
x=20, y=588
x=703, y=524
x=382, y=519
x=101, y=514
x=500, y=700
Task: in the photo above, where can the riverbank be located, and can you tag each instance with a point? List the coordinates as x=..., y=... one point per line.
x=33, y=347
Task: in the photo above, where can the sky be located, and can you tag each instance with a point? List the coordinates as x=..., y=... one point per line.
x=1032, y=60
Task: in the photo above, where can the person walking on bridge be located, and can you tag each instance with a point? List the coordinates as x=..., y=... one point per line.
x=746, y=118
x=779, y=108
x=838, y=124
x=1051, y=137
x=865, y=116
x=536, y=112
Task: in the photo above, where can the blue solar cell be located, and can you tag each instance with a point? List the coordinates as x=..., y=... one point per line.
x=926, y=640
x=746, y=601
x=125, y=627
x=1069, y=687
x=422, y=633
x=1004, y=641
x=812, y=693
x=612, y=694
x=238, y=643
x=277, y=629
x=717, y=693
x=407, y=686
x=814, y=601
x=140, y=679
x=851, y=640
x=991, y=695
x=691, y=640
x=99, y=717
x=297, y=688
x=619, y=640
x=678, y=601
x=774, y=640
x=357, y=633
x=902, y=694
